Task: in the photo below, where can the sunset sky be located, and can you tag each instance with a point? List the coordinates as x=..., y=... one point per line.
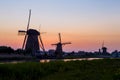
x=85, y=23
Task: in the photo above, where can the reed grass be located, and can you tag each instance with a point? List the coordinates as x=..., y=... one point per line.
x=106, y=69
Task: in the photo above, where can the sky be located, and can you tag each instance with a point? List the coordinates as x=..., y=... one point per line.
x=84, y=23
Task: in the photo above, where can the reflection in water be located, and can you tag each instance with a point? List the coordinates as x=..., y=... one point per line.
x=45, y=60
x=13, y=62
x=50, y=60
x=65, y=60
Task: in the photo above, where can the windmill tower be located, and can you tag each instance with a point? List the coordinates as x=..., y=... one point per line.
x=32, y=40
x=59, y=45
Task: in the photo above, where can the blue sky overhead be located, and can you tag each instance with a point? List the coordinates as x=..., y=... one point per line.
x=85, y=23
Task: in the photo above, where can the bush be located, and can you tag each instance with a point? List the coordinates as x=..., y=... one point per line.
x=5, y=49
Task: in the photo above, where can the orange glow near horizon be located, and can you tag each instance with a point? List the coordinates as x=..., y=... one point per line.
x=79, y=42
x=84, y=23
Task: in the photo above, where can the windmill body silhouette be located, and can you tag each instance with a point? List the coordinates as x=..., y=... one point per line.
x=32, y=41
x=59, y=45
x=104, y=49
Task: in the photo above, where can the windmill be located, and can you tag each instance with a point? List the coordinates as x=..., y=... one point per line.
x=104, y=49
x=32, y=40
x=59, y=45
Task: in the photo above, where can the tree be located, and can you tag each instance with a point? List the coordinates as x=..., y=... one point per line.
x=5, y=49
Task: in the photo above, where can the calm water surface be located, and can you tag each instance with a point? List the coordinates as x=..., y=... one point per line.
x=50, y=60
x=65, y=60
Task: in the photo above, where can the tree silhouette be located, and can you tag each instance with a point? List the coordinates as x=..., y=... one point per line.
x=5, y=49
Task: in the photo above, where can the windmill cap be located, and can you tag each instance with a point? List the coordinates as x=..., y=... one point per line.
x=33, y=32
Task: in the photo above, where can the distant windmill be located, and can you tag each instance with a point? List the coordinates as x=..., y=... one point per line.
x=104, y=49
x=59, y=51
x=32, y=41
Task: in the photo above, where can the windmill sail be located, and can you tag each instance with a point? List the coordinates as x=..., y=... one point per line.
x=42, y=46
x=60, y=37
x=27, y=29
x=21, y=32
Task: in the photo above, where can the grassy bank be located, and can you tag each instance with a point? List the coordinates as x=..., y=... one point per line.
x=107, y=69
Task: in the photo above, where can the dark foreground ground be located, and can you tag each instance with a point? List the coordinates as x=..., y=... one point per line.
x=105, y=69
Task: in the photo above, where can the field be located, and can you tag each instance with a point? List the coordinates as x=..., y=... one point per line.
x=106, y=69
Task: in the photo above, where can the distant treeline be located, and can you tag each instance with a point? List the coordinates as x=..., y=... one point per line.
x=9, y=50
x=5, y=49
